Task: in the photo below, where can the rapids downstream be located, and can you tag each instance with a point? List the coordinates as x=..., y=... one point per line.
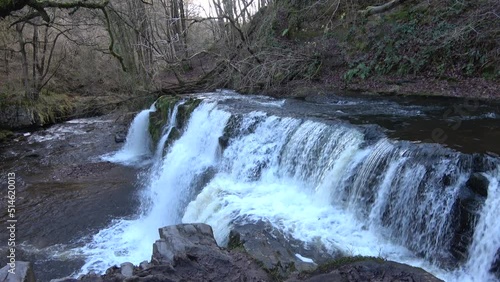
x=358, y=176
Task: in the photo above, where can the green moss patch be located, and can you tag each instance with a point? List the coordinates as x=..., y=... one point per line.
x=158, y=119
x=164, y=105
x=19, y=112
x=52, y=108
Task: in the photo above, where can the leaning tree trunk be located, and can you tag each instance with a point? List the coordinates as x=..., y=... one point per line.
x=371, y=10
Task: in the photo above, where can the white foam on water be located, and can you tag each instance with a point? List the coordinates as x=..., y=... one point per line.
x=304, y=259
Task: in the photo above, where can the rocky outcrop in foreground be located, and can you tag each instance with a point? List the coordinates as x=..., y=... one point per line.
x=19, y=271
x=189, y=252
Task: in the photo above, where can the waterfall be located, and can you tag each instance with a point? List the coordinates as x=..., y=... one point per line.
x=486, y=243
x=138, y=142
x=317, y=181
x=188, y=158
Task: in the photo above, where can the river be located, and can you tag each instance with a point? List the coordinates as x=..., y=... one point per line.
x=363, y=175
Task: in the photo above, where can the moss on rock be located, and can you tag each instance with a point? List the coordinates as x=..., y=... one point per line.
x=5, y=135
x=52, y=108
x=185, y=111
x=164, y=105
x=18, y=112
x=337, y=263
x=158, y=119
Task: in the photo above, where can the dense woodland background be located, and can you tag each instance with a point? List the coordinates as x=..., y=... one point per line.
x=72, y=58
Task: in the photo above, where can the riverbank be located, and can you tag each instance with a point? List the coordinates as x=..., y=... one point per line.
x=425, y=48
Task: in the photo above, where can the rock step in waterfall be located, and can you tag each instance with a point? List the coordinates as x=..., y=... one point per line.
x=333, y=186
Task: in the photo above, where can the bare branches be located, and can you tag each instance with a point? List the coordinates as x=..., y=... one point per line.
x=68, y=4
x=9, y=6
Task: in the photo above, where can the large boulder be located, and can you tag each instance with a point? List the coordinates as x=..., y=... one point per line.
x=19, y=271
x=16, y=116
x=479, y=184
x=276, y=253
x=466, y=214
x=366, y=270
x=189, y=252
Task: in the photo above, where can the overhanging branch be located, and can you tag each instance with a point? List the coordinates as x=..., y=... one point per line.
x=9, y=6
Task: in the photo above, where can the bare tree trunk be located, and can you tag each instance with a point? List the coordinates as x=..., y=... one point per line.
x=184, y=28
x=6, y=54
x=34, y=73
x=24, y=64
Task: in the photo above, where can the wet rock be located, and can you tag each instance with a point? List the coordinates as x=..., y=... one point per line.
x=223, y=142
x=479, y=184
x=32, y=155
x=372, y=134
x=174, y=135
x=189, y=252
x=92, y=278
x=159, y=118
x=185, y=110
x=482, y=163
x=127, y=269
x=368, y=270
x=144, y=265
x=465, y=214
x=495, y=267
x=200, y=181
x=278, y=255
x=16, y=116
x=20, y=271
x=120, y=137
x=65, y=279
x=177, y=241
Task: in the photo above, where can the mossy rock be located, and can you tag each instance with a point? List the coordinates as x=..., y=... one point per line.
x=172, y=137
x=337, y=263
x=20, y=112
x=158, y=119
x=185, y=111
x=6, y=135
x=52, y=108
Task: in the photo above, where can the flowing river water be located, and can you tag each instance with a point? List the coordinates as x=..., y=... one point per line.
x=358, y=175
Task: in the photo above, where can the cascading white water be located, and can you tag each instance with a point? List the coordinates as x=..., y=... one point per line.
x=132, y=239
x=486, y=241
x=137, y=145
x=316, y=182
